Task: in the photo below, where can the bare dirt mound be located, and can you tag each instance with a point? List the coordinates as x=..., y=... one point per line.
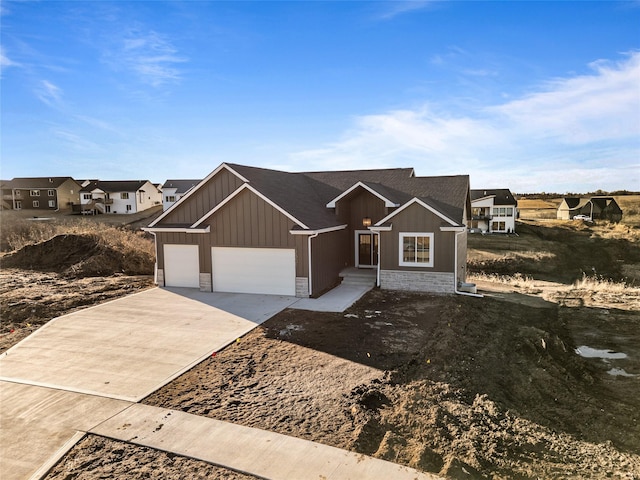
x=80, y=255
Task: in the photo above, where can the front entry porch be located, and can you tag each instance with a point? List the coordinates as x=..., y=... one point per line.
x=359, y=276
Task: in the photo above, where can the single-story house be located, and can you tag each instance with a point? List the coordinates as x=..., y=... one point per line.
x=255, y=230
x=174, y=190
x=493, y=211
x=40, y=193
x=596, y=208
x=118, y=196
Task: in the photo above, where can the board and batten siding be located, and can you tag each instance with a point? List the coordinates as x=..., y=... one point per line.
x=330, y=252
x=416, y=218
x=204, y=199
x=352, y=209
x=246, y=221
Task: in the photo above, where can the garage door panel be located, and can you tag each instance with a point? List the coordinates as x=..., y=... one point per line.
x=254, y=270
x=181, y=266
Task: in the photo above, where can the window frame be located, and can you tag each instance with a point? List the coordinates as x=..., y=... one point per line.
x=34, y=193
x=52, y=204
x=415, y=235
x=51, y=193
x=124, y=195
x=35, y=203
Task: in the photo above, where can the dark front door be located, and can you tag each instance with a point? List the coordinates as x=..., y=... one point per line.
x=366, y=250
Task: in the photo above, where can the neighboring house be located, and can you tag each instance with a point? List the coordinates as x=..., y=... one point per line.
x=493, y=211
x=174, y=190
x=596, y=208
x=254, y=230
x=118, y=196
x=40, y=193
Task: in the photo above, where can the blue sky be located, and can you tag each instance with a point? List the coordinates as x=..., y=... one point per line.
x=532, y=96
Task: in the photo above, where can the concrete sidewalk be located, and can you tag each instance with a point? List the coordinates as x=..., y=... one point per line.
x=249, y=450
x=336, y=300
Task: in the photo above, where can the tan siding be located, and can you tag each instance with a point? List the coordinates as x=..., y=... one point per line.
x=418, y=219
x=204, y=199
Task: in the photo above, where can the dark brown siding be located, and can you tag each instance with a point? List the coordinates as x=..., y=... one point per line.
x=330, y=252
x=204, y=199
x=246, y=221
x=417, y=219
x=352, y=209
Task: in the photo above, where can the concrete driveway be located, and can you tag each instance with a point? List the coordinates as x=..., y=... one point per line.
x=128, y=348
x=82, y=368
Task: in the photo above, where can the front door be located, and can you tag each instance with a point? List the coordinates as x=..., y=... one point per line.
x=366, y=249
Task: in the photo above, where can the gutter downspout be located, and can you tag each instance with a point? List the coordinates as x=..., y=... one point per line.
x=310, y=279
x=455, y=270
x=378, y=266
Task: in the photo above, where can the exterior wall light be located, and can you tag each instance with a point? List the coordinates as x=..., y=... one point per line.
x=366, y=222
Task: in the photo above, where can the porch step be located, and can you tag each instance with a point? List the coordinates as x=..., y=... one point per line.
x=359, y=276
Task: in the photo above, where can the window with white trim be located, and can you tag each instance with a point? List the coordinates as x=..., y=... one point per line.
x=52, y=204
x=124, y=196
x=51, y=193
x=415, y=249
x=86, y=196
x=128, y=208
x=36, y=204
x=34, y=193
x=170, y=198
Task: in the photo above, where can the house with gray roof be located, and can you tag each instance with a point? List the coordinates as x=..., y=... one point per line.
x=596, y=208
x=40, y=193
x=493, y=211
x=118, y=196
x=255, y=230
x=174, y=190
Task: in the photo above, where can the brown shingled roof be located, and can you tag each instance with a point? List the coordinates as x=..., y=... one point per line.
x=305, y=195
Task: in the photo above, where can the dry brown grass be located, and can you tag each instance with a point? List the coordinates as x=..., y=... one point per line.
x=78, y=248
x=19, y=233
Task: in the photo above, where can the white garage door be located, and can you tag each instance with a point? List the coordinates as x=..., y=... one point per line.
x=254, y=270
x=181, y=266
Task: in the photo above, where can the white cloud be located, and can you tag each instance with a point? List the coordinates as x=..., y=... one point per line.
x=149, y=55
x=49, y=93
x=5, y=61
x=583, y=109
x=400, y=7
x=566, y=132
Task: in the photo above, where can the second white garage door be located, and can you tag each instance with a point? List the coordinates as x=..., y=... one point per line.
x=254, y=270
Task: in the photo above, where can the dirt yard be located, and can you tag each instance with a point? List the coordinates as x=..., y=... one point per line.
x=502, y=387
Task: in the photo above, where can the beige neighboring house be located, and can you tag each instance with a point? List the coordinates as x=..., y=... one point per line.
x=255, y=230
x=40, y=193
x=595, y=208
x=118, y=196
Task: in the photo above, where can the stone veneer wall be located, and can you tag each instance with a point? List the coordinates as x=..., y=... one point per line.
x=302, y=287
x=205, y=282
x=436, y=282
x=160, y=277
